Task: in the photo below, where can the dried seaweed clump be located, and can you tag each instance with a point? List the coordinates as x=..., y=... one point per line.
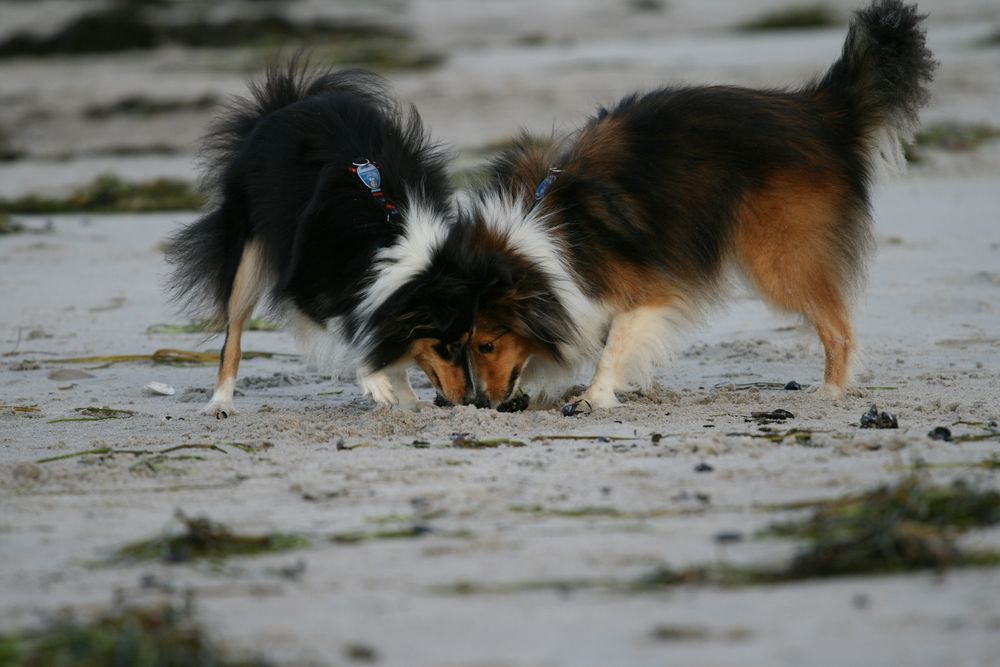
x=203, y=539
x=161, y=636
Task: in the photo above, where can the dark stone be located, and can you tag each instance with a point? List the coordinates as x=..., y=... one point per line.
x=703, y=467
x=777, y=415
x=793, y=386
x=517, y=404
x=577, y=408
x=875, y=419
x=940, y=433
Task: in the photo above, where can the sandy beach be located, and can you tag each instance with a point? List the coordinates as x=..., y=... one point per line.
x=421, y=548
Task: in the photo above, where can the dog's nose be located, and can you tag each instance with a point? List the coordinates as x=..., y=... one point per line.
x=480, y=400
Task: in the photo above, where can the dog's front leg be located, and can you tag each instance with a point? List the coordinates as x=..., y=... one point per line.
x=391, y=386
x=607, y=377
x=637, y=341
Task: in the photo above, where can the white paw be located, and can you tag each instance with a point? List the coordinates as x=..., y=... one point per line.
x=219, y=408
x=412, y=404
x=379, y=387
x=827, y=392
x=600, y=398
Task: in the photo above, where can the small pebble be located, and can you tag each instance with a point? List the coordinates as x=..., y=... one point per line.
x=793, y=386
x=159, y=388
x=577, y=408
x=940, y=433
x=358, y=652
x=517, y=404
x=875, y=419
x=729, y=537
x=778, y=414
x=703, y=467
x=63, y=374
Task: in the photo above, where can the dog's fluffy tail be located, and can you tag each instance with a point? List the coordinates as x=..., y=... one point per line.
x=280, y=86
x=882, y=76
x=205, y=255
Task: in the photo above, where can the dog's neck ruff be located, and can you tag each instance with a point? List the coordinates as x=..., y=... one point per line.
x=368, y=172
x=424, y=232
x=528, y=232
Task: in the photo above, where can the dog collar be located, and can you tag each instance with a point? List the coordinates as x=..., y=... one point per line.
x=543, y=187
x=370, y=175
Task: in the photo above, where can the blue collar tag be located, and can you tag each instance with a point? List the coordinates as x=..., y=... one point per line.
x=369, y=175
x=543, y=187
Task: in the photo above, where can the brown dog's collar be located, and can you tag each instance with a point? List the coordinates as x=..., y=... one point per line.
x=543, y=187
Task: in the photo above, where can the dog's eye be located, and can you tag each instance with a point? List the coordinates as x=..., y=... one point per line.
x=485, y=348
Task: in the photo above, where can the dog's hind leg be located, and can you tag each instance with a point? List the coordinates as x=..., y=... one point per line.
x=638, y=340
x=248, y=285
x=802, y=247
x=819, y=299
x=834, y=328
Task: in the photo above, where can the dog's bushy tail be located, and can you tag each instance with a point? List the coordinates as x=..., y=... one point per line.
x=882, y=76
x=205, y=255
x=282, y=85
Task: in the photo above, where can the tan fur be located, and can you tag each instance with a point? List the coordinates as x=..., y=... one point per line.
x=785, y=243
x=447, y=378
x=247, y=288
x=631, y=286
x=495, y=369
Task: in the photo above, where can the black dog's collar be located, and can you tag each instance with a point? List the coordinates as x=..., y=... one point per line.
x=370, y=175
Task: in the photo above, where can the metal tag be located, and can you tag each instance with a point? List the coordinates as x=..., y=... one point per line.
x=544, y=186
x=370, y=176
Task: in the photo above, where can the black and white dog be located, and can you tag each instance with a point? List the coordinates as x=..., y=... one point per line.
x=329, y=199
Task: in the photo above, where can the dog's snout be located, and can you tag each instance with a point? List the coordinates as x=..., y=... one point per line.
x=478, y=399
x=470, y=395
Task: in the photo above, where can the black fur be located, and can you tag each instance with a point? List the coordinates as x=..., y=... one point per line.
x=883, y=72
x=279, y=173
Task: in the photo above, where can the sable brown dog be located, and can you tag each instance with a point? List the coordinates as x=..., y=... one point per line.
x=604, y=242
